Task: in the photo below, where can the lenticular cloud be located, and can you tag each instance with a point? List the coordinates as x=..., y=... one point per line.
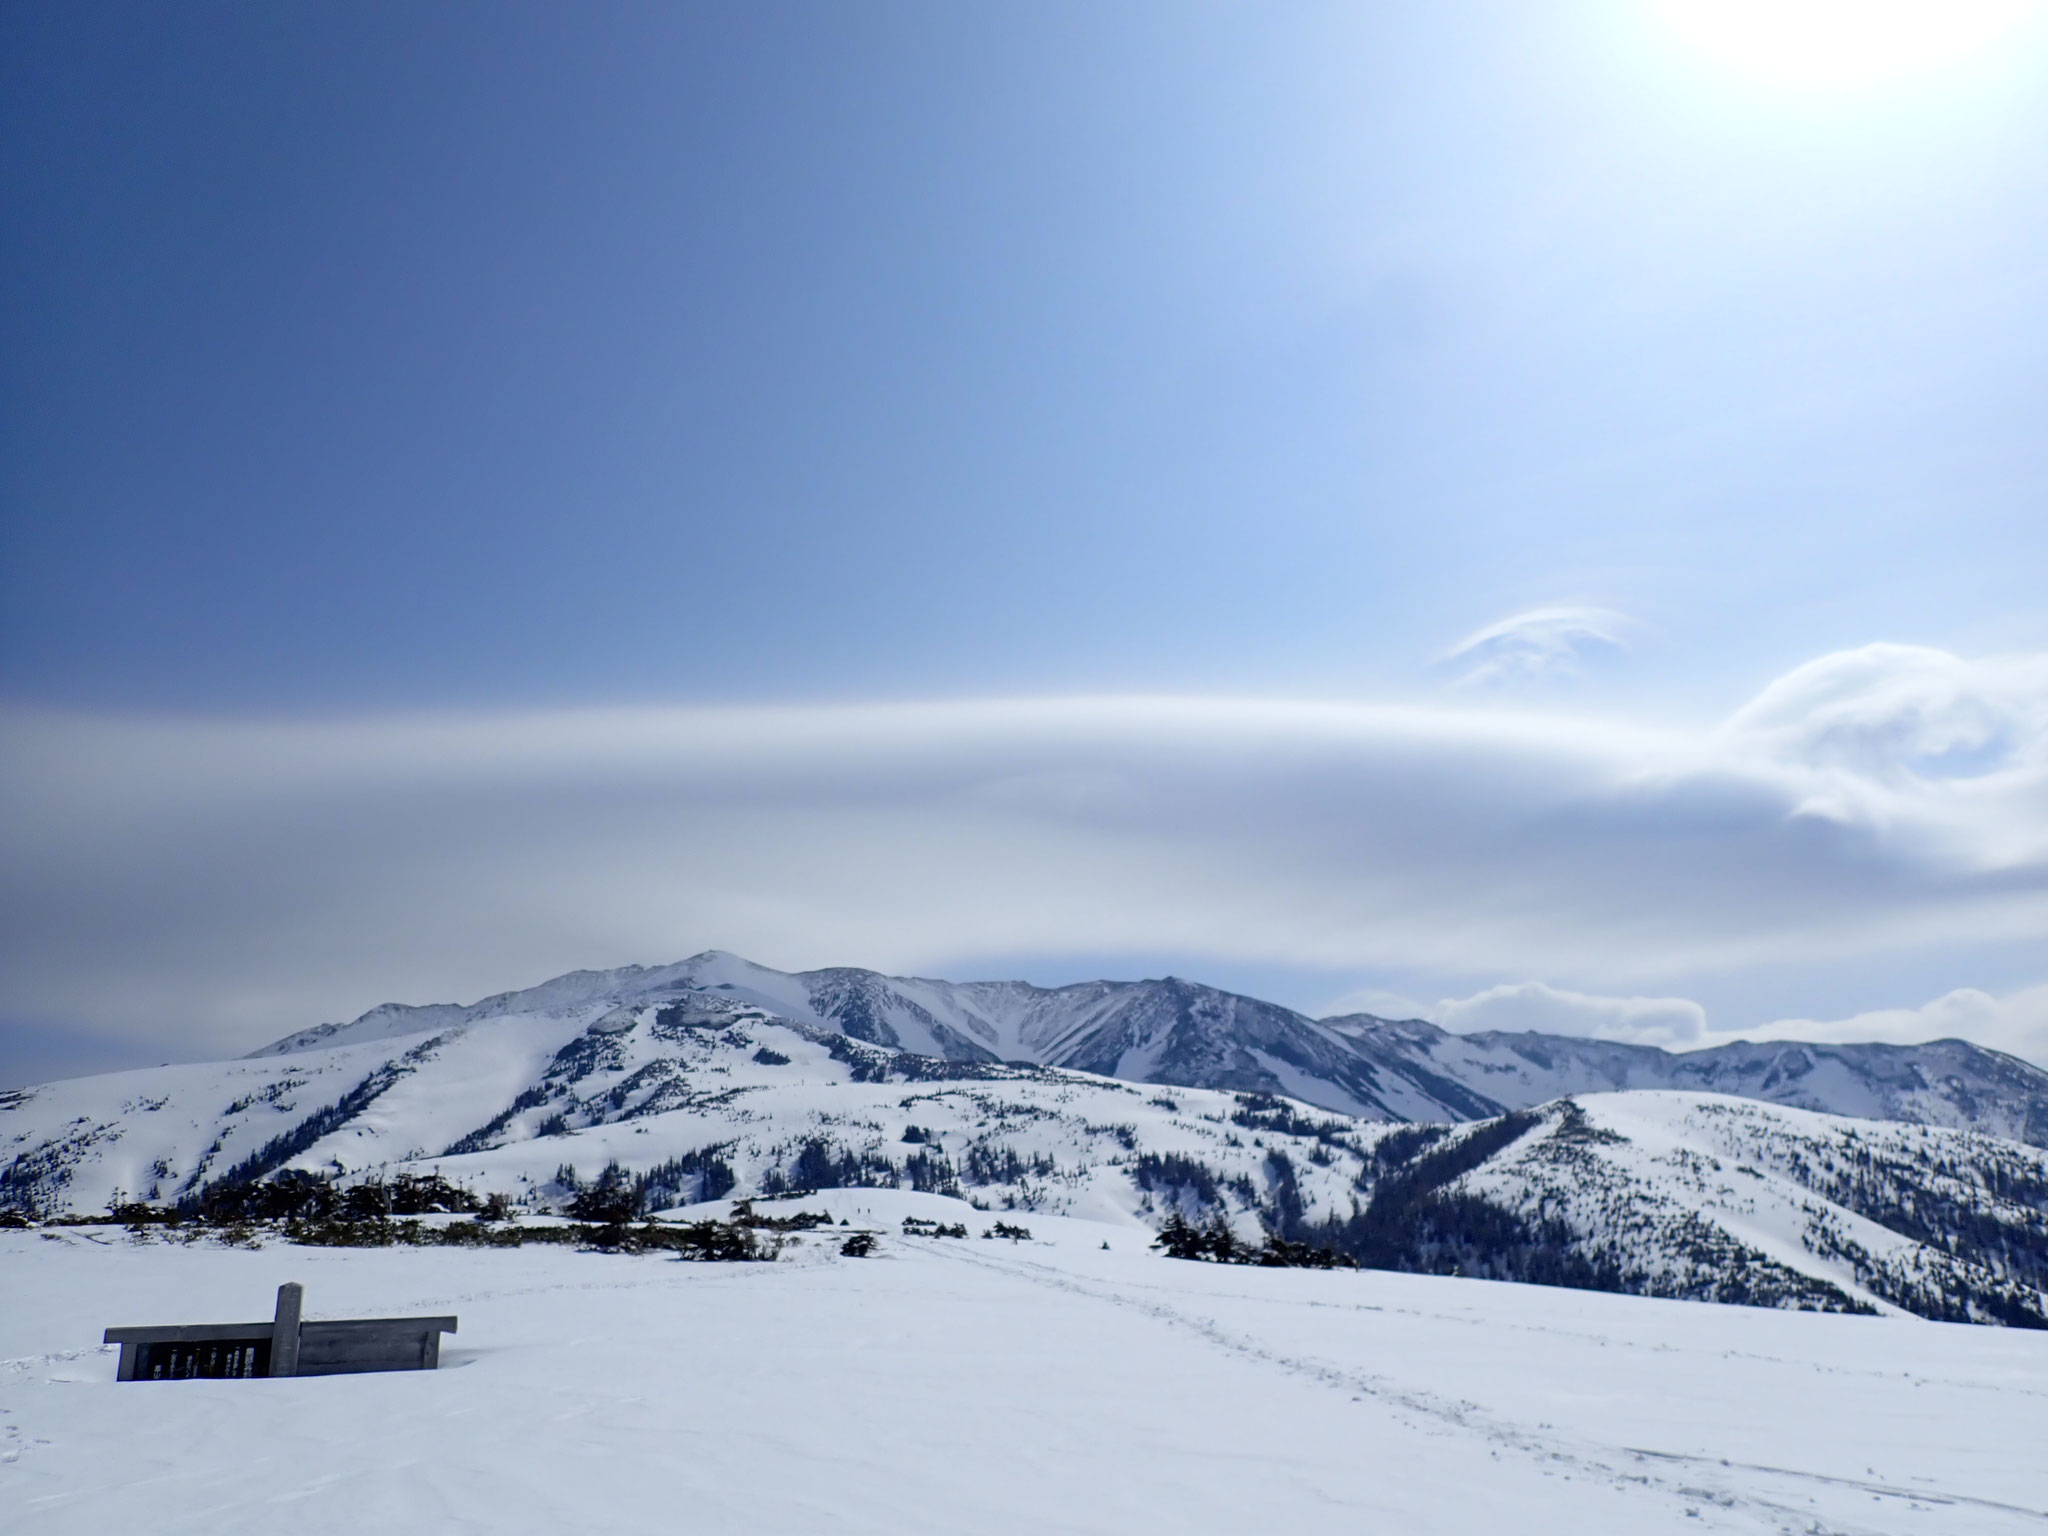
x=1945, y=753
x=1536, y=643
x=1893, y=711
x=228, y=875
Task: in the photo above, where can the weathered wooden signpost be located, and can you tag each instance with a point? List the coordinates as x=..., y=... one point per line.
x=284, y=1346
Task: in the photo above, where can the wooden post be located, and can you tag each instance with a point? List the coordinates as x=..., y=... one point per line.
x=284, y=1332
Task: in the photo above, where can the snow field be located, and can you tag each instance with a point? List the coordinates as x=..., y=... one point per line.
x=951, y=1385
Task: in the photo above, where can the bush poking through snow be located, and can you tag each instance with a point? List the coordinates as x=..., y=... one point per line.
x=1215, y=1243
x=611, y=1201
x=497, y=1206
x=744, y=1215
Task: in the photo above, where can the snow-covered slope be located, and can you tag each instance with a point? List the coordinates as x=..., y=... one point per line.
x=945, y=1386
x=1702, y=1195
x=1182, y=1033
x=705, y=1095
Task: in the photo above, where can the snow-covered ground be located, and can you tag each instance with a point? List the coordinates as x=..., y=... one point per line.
x=949, y=1385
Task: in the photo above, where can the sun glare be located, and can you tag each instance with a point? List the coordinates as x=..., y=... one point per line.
x=1839, y=43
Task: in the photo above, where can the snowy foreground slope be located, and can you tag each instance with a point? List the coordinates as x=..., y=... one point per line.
x=950, y=1386
x=1185, y=1034
x=1682, y=1195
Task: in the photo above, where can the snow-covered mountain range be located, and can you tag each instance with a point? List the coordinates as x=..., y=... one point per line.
x=688, y=1086
x=1185, y=1034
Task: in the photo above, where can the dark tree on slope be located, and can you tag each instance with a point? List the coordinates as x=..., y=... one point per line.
x=1414, y=1223
x=931, y=1174
x=700, y=1175
x=820, y=1165
x=1002, y=1165
x=1178, y=1179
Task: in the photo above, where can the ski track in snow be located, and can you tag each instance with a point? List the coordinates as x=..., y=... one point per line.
x=1470, y=1417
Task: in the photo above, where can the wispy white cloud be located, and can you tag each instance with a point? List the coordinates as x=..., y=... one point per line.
x=236, y=879
x=1666, y=1021
x=1538, y=643
x=2016, y=1023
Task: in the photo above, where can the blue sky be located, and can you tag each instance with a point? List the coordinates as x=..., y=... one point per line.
x=480, y=490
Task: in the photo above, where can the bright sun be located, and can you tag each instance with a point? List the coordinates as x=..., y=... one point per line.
x=1832, y=43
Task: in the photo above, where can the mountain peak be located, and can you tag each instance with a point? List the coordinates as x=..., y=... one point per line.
x=1172, y=1030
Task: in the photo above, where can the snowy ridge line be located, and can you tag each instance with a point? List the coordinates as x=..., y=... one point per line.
x=703, y=1096
x=1176, y=1032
